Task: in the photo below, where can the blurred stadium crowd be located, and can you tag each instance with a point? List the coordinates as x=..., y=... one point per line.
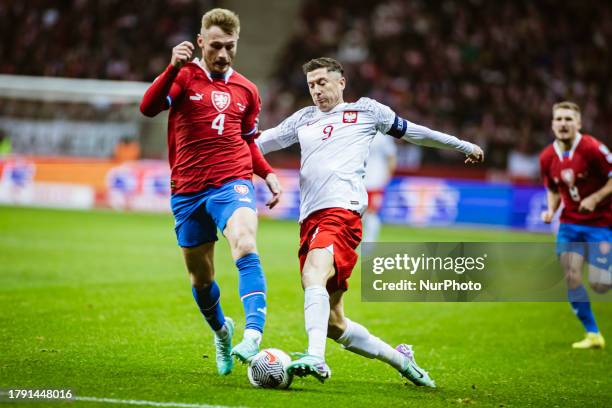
x=102, y=39
x=485, y=71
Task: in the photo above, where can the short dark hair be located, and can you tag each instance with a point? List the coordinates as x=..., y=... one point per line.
x=323, y=62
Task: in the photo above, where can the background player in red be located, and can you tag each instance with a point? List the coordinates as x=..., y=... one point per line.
x=211, y=125
x=577, y=170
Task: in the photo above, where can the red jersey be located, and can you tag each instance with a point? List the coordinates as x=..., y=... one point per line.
x=575, y=175
x=210, y=117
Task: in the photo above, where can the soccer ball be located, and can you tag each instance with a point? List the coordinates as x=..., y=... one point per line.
x=268, y=369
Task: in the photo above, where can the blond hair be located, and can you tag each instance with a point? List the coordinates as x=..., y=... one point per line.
x=226, y=20
x=566, y=105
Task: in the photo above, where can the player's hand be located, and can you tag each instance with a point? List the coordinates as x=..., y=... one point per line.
x=547, y=216
x=588, y=204
x=275, y=188
x=182, y=54
x=477, y=155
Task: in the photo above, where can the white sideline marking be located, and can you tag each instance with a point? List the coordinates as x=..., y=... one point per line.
x=148, y=403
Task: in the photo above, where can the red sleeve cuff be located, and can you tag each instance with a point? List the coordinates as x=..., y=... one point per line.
x=260, y=165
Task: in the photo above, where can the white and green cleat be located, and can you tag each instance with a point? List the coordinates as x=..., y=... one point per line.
x=245, y=350
x=223, y=348
x=411, y=370
x=308, y=364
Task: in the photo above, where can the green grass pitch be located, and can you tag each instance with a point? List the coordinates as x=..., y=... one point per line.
x=100, y=302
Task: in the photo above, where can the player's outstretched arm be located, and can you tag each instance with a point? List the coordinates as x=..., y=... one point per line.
x=155, y=98
x=477, y=155
x=270, y=140
x=423, y=136
x=281, y=136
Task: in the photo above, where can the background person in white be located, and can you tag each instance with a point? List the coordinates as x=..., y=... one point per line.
x=379, y=170
x=334, y=138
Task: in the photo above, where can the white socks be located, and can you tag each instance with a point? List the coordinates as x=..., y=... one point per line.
x=316, y=315
x=357, y=339
x=253, y=334
x=371, y=227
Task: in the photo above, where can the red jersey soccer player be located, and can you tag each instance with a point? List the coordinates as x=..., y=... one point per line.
x=211, y=125
x=577, y=171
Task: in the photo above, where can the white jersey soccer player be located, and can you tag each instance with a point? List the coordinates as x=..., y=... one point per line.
x=379, y=170
x=334, y=138
x=334, y=148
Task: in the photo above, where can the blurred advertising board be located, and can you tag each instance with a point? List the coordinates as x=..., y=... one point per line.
x=18, y=187
x=144, y=186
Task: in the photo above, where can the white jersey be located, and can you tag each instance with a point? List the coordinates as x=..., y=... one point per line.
x=334, y=148
x=378, y=172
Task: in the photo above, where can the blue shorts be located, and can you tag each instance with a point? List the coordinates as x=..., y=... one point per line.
x=198, y=215
x=593, y=243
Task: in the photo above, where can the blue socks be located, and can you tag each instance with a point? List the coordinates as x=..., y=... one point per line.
x=209, y=304
x=252, y=289
x=579, y=299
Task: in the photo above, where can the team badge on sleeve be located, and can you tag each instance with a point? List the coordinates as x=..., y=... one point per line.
x=220, y=100
x=349, y=117
x=241, y=189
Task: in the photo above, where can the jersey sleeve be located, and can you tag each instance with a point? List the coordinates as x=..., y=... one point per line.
x=393, y=125
x=250, y=120
x=178, y=86
x=260, y=166
x=602, y=158
x=384, y=116
x=167, y=86
x=281, y=136
x=424, y=136
x=545, y=172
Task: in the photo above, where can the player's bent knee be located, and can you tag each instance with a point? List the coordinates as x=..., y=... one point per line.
x=199, y=265
x=244, y=245
x=573, y=278
x=318, y=268
x=313, y=276
x=201, y=281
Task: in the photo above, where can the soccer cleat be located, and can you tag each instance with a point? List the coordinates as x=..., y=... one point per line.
x=245, y=350
x=308, y=364
x=411, y=370
x=223, y=348
x=592, y=340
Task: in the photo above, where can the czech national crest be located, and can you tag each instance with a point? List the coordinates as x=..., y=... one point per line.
x=567, y=175
x=241, y=189
x=220, y=100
